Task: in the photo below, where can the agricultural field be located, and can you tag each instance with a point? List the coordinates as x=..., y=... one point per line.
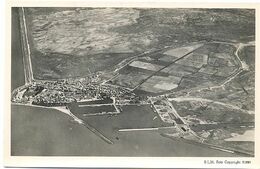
x=160, y=83
x=190, y=66
x=239, y=91
x=145, y=65
x=69, y=42
x=130, y=80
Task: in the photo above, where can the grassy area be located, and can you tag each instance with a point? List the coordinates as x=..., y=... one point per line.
x=66, y=42
x=247, y=54
x=212, y=112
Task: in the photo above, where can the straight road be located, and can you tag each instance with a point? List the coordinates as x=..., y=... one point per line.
x=26, y=48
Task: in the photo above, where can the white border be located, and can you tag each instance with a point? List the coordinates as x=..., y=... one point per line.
x=137, y=162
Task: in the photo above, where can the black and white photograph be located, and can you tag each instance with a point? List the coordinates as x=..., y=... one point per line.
x=132, y=82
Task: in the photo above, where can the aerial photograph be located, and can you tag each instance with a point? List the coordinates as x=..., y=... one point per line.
x=134, y=82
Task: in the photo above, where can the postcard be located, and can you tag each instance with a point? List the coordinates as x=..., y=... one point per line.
x=109, y=84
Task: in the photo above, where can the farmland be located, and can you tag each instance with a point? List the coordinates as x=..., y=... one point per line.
x=64, y=39
x=201, y=64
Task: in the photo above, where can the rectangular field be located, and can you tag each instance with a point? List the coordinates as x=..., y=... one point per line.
x=179, y=70
x=159, y=83
x=208, y=70
x=179, y=52
x=145, y=65
x=187, y=62
x=130, y=80
x=168, y=58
